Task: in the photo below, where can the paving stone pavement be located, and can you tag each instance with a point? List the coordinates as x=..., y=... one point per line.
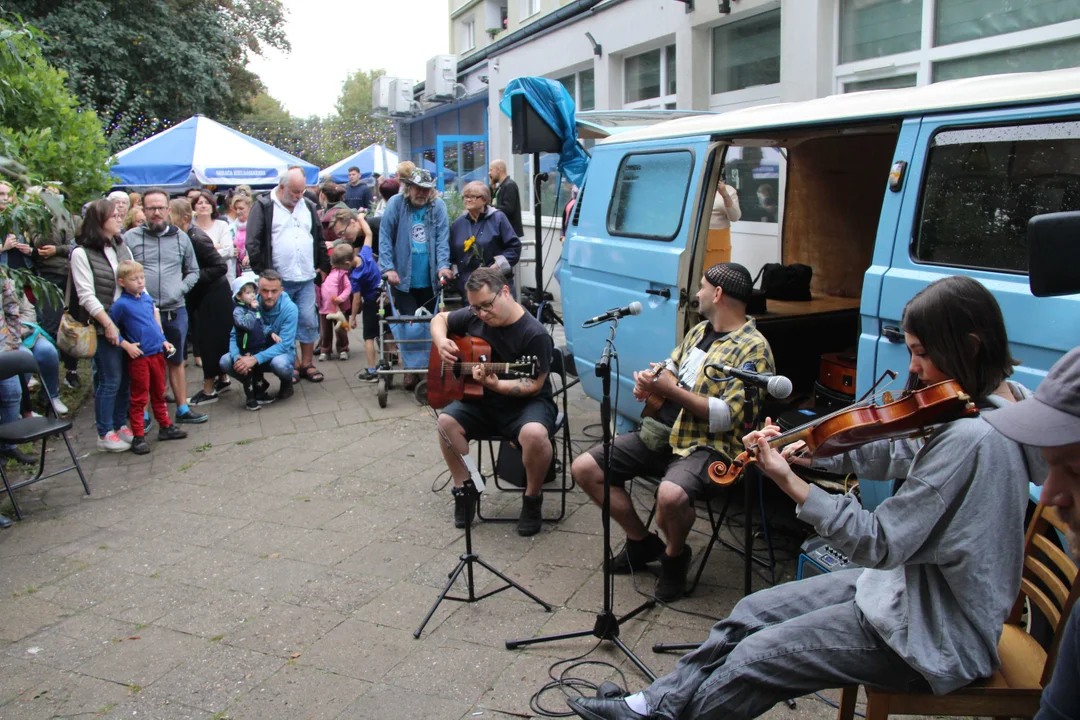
x=275, y=563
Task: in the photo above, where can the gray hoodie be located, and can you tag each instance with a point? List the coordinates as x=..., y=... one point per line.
x=168, y=262
x=946, y=551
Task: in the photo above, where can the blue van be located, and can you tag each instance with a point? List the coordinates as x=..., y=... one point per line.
x=883, y=192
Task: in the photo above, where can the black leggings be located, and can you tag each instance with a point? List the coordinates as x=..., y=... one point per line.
x=211, y=316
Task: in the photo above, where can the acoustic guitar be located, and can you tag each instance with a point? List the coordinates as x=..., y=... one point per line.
x=448, y=381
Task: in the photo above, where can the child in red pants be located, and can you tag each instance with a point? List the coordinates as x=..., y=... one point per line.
x=142, y=339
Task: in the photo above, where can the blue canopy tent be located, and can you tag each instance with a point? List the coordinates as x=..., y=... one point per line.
x=201, y=151
x=374, y=158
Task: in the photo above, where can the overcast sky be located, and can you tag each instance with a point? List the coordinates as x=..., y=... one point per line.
x=331, y=38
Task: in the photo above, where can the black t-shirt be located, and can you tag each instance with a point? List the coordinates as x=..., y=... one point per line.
x=669, y=411
x=524, y=338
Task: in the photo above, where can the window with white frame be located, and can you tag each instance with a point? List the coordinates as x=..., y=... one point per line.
x=529, y=8
x=582, y=88
x=468, y=34
x=746, y=53
x=899, y=43
x=649, y=79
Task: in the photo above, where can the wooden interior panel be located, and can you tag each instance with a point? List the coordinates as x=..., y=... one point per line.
x=833, y=200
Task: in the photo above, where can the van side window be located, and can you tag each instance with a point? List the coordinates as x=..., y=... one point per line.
x=984, y=184
x=650, y=195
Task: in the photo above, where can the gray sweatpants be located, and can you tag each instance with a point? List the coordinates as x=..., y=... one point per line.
x=781, y=643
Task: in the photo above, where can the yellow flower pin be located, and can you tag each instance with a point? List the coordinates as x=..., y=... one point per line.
x=469, y=243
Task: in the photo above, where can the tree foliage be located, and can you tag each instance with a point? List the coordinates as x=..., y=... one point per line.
x=356, y=91
x=42, y=128
x=146, y=64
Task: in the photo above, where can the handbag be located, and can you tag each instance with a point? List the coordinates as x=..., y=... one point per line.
x=75, y=338
x=786, y=282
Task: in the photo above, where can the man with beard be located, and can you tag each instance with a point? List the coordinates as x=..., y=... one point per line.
x=1051, y=421
x=168, y=261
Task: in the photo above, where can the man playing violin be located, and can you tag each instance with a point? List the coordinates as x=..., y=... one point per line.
x=943, y=556
x=521, y=408
x=700, y=422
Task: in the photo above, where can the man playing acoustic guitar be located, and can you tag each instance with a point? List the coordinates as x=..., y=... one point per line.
x=700, y=421
x=522, y=408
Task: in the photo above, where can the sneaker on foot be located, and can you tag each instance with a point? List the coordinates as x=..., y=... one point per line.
x=221, y=386
x=59, y=406
x=203, y=398
x=252, y=404
x=370, y=375
x=171, y=433
x=126, y=434
x=191, y=417
x=531, y=519
x=139, y=445
x=323, y=357
x=71, y=379
x=285, y=392
x=343, y=355
x=464, y=507
x=638, y=553
x=112, y=443
x=671, y=585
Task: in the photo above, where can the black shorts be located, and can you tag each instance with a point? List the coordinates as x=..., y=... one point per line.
x=486, y=418
x=631, y=458
x=369, y=315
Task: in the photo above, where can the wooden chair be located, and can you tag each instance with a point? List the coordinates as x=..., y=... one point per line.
x=1049, y=589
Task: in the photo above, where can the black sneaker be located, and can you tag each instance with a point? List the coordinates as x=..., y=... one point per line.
x=191, y=417
x=531, y=519
x=203, y=398
x=285, y=392
x=139, y=445
x=464, y=507
x=221, y=386
x=369, y=375
x=71, y=379
x=171, y=433
x=671, y=585
x=252, y=404
x=638, y=554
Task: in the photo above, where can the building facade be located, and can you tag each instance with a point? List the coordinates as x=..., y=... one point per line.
x=669, y=54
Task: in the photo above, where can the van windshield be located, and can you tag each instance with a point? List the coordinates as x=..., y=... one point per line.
x=984, y=184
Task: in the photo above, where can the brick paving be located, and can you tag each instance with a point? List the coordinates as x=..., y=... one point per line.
x=274, y=565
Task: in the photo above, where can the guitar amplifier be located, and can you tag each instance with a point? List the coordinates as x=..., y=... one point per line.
x=818, y=558
x=509, y=465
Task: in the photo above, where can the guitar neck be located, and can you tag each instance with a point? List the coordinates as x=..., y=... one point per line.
x=496, y=367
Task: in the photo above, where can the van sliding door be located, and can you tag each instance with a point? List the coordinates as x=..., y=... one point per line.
x=637, y=213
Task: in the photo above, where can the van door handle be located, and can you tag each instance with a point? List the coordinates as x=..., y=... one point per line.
x=892, y=333
x=663, y=292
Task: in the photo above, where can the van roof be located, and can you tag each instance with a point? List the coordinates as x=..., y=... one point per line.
x=986, y=91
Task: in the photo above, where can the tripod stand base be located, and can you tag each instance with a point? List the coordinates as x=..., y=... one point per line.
x=466, y=562
x=606, y=628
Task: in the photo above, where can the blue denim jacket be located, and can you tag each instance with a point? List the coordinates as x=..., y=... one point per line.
x=395, y=239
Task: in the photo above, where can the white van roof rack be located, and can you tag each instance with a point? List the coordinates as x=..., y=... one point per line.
x=986, y=91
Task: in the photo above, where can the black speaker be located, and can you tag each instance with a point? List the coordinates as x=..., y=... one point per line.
x=530, y=132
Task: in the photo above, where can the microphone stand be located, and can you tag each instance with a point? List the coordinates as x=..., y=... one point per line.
x=607, y=624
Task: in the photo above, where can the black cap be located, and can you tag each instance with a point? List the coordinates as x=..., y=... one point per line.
x=733, y=279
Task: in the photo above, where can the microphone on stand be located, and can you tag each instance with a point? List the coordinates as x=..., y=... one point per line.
x=776, y=385
x=633, y=308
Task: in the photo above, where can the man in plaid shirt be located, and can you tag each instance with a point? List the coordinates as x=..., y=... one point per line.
x=700, y=422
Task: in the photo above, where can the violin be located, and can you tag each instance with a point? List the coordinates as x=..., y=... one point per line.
x=864, y=423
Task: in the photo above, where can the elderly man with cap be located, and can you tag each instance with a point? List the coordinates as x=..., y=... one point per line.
x=1051, y=421
x=701, y=421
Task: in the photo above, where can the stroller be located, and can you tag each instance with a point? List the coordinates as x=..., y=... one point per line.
x=407, y=337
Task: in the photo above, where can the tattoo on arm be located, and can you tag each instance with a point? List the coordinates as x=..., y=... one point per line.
x=523, y=386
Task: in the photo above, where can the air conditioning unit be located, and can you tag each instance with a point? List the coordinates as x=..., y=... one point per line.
x=380, y=93
x=401, y=97
x=441, y=78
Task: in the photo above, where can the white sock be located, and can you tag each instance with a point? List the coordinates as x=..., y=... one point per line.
x=636, y=702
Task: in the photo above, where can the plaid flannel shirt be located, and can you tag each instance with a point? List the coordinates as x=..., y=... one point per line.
x=742, y=346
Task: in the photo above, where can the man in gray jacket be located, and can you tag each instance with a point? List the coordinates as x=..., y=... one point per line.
x=168, y=261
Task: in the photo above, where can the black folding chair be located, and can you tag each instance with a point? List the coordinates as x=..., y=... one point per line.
x=16, y=363
x=560, y=459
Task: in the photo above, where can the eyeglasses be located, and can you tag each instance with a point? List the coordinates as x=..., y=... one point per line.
x=473, y=197
x=151, y=210
x=483, y=307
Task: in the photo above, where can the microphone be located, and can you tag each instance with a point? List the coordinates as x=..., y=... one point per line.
x=776, y=385
x=633, y=308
